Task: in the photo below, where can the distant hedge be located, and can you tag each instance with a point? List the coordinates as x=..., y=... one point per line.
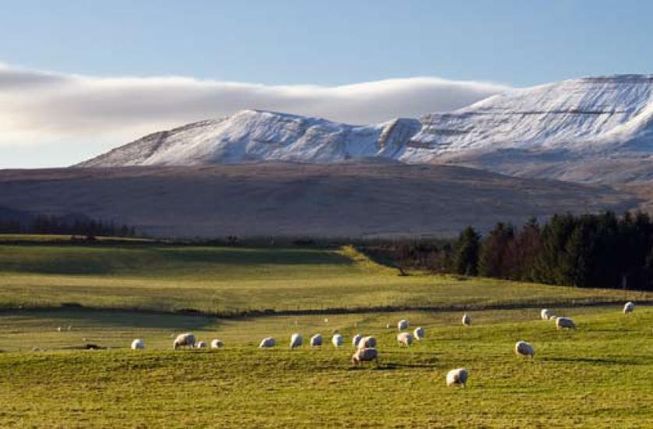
x=46, y=224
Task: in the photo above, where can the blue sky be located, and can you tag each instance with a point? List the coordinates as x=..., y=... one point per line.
x=331, y=42
x=80, y=77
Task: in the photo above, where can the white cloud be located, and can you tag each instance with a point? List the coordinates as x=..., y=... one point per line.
x=94, y=113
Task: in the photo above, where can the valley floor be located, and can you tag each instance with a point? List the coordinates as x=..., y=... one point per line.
x=599, y=375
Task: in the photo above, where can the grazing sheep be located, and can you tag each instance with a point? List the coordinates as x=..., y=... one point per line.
x=419, y=333
x=316, y=340
x=402, y=325
x=326, y=320
x=466, y=319
x=296, y=340
x=565, y=323
x=367, y=343
x=138, y=344
x=356, y=339
x=184, y=340
x=522, y=348
x=457, y=377
x=267, y=342
x=337, y=340
x=59, y=329
x=405, y=338
x=200, y=345
x=629, y=307
x=546, y=314
x=387, y=326
x=365, y=355
x=217, y=344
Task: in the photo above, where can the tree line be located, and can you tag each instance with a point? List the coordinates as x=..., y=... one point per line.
x=48, y=224
x=591, y=250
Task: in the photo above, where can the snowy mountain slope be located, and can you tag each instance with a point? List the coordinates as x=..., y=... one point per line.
x=583, y=130
x=252, y=135
x=592, y=130
x=589, y=114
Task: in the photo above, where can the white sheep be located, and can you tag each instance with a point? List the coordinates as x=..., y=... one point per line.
x=522, y=348
x=200, y=345
x=565, y=323
x=457, y=377
x=405, y=338
x=337, y=340
x=367, y=343
x=184, y=340
x=296, y=340
x=316, y=340
x=138, y=344
x=267, y=343
x=365, y=355
x=419, y=333
x=467, y=321
x=355, y=340
x=402, y=325
x=217, y=344
x=546, y=314
x=629, y=307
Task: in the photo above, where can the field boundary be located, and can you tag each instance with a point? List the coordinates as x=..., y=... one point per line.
x=326, y=311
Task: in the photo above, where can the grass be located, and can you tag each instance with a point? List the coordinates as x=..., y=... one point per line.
x=235, y=280
x=598, y=376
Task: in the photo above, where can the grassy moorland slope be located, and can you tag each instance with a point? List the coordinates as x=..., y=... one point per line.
x=374, y=199
x=234, y=280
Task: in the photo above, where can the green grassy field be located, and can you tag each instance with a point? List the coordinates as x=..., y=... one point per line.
x=232, y=280
x=599, y=376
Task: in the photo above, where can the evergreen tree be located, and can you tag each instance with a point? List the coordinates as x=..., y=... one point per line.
x=577, y=260
x=551, y=264
x=523, y=252
x=494, y=251
x=466, y=254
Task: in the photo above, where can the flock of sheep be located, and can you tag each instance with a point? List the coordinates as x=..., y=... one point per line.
x=366, y=345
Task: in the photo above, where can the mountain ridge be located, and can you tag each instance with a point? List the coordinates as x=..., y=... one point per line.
x=552, y=130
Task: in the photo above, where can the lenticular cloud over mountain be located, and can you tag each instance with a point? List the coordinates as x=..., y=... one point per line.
x=37, y=107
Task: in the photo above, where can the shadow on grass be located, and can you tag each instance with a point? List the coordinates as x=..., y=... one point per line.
x=253, y=256
x=118, y=318
x=593, y=361
x=391, y=366
x=395, y=365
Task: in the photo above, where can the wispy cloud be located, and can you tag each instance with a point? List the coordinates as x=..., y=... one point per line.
x=74, y=111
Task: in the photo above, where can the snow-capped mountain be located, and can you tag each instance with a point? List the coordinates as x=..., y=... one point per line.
x=561, y=130
x=581, y=114
x=252, y=135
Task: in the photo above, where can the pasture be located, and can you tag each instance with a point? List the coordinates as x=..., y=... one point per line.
x=224, y=281
x=597, y=376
